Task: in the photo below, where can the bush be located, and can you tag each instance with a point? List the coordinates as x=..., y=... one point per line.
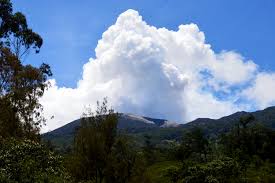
x=221, y=170
x=26, y=161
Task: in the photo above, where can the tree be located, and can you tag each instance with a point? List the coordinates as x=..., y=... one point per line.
x=125, y=164
x=21, y=86
x=148, y=150
x=247, y=140
x=100, y=153
x=93, y=144
x=193, y=143
x=15, y=33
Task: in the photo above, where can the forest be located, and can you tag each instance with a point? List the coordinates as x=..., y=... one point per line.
x=102, y=153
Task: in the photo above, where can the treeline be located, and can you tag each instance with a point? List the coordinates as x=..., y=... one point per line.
x=101, y=153
x=245, y=154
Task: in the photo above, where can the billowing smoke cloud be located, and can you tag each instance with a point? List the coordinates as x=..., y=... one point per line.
x=161, y=73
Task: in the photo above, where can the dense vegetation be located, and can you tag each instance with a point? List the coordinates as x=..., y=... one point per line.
x=101, y=152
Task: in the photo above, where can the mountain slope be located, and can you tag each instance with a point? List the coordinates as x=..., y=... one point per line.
x=161, y=129
x=126, y=121
x=265, y=117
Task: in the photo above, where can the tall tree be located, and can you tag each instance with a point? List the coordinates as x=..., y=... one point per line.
x=125, y=164
x=21, y=85
x=101, y=153
x=93, y=144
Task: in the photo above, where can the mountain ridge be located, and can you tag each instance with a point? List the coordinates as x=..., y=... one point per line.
x=138, y=126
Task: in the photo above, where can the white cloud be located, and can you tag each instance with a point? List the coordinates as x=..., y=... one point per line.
x=159, y=73
x=262, y=91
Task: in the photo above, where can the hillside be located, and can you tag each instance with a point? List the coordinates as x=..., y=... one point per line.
x=161, y=130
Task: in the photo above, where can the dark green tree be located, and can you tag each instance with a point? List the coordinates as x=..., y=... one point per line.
x=248, y=139
x=194, y=144
x=101, y=153
x=93, y=144
x=125, y=164
x=149, y=150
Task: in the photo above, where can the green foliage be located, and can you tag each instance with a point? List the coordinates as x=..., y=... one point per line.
x=149, y=151
x=194, y=144
x=220, y=170
x=93, y=144
x=27, y=161
x=223, y=170
x=125, y=164
x=263, y=172
x=242, y=155
x=245, y=141
x=100, y=154
x=161, y=172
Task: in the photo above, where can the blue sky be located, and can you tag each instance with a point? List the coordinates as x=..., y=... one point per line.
x=71, y=29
